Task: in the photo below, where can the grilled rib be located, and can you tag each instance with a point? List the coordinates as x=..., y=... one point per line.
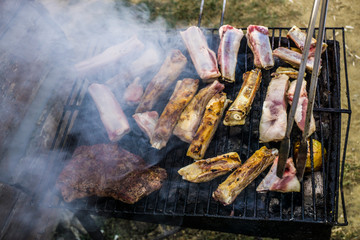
x=208, y=126
x=208, y=169
x=230, y=38
x=258, y=41
x=169, y=71
x=183, y=93
x=111, y=113
x=274, y=117
x=293, y=58
x=244, y=175
x=239, y=109
x=290, y=72
x=203, y=58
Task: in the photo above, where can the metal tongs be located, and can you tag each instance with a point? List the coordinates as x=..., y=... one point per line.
x=285, y=143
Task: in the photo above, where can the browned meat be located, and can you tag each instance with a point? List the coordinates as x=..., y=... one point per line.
x=169, y=71
x=258, y=41
x=183, y=93
x=111, y=113
x=107, y=170
x=203, y=58
x=190, y=118
x=290, y=72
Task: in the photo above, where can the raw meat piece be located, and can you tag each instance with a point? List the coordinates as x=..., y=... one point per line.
x=208, y=126
x=274, y=118
x=239, y=109
x=190, y=118
x=147, y=122
x=134, y=92
x=208, y=169
x=106, y=170
x=230, y=39
x=293, y=58
x=203, y=58
x=288, y=183
x=168, y=73
x=183, y=93
x=111, y=114
x=258, y=41
x=244, y=175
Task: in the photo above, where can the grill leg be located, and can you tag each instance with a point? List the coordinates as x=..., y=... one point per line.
x=89, y=224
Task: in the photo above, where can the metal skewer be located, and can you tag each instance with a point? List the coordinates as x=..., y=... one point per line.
x=285, y=143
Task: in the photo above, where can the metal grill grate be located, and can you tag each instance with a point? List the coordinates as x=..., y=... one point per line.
x=180, y=203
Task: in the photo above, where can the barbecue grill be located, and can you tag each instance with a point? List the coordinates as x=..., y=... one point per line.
x=307, y=214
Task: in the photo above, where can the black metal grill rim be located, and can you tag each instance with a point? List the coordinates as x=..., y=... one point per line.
x=74, y=106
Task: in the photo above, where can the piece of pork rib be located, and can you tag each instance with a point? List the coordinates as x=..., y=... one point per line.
x=230, y=39
x=258, y=41
x=184, y=91
x=288, y=183
x=203, y=58
x=111, y=113
x=168, y=73
x=133, y=92
x=147, y=122
x=301, y=109
x=274, y=117
x=293, y=58
x=190, y=118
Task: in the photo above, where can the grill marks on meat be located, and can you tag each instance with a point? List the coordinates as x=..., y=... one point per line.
x=301, y=108
x=274, y=117
x=288, y=183
x=239, y=109
x=106, y=170
x=293, y=58
x=203, y=58
x=172, y=67
x=208, y=169
x=183, y=93
x=244, y=175
x=111, y=113
x=230, y=39
x=208, y=126
x=258, y=41
x=190, y=118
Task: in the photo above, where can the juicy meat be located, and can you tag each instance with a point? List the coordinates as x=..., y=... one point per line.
x=148, y=60
x=147, y=122
x=184, y=91
x=203, y=58
x=244, y=175
x=208, y=169
x=293, y=58
x=288, y=183
x=133, y=92
x=106, y=170
x=209, y=123
x=290, y=72
x=239, y=109
x=274, y=118
x=258, y=41
x=301, y=109
x=111, y=114
x=190, y=118
x=168, y=73
x=110, y=56
x=230, y=39
x=299, y=38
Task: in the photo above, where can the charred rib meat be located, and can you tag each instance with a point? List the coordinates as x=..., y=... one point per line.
x=258, y=41
x=239, y=109
x=208, y=169
x=203, y=58
x=111, y=114
x=169, y=71
x=274, y=117
x=230, y=38
x=244, y=175
x=290, y=72
x=183, y=93
x=208, y=126
x=105, y=170
x=190, y=118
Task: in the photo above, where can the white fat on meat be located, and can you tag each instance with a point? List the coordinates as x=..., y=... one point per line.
x=147, y=121
x=274, y=117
